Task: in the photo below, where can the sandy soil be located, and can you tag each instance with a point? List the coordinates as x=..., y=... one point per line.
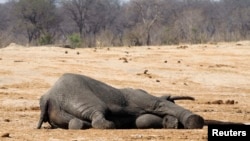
x=217, y=75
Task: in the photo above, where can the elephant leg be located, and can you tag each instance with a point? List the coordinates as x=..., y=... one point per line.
x=76, y=123
x=59, y=118
x=99, y=121
x=147, y=121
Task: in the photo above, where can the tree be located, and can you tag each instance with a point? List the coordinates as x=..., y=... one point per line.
x=90, y=16
x=78, y=11
x=148, y=14
x=237, y=19
x=38, y=18
x=6, y=24
x=117, y=23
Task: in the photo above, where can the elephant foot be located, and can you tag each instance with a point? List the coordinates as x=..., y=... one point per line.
x=76, y=123
x=99, y=121
x=170, y=122
x=194, y=122
x=103, y=124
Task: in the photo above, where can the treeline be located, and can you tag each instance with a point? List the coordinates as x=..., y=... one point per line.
x=90, y=23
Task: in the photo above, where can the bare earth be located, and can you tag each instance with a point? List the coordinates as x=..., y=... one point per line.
x=217, y=75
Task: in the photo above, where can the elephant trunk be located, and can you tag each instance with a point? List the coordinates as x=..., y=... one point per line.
x=191, y=120
x=186, y=117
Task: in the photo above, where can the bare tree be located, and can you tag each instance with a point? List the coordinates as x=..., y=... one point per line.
x=6, y=24
x=147, y=15
x=90, y=16
x=135, y=22
x=78, y=11
x=237, y=19
x=38, y=18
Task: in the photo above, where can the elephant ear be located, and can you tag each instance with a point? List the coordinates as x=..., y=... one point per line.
x=173, y=98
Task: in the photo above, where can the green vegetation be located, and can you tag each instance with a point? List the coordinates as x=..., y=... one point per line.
x=75, y=40
x=46, y=40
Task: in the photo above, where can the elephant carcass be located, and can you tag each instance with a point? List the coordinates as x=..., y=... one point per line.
x=77, y=97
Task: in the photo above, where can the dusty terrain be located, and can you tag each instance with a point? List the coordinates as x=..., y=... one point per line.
x=217, y=75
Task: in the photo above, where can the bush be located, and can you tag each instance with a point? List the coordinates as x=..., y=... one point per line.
x=75, y=40
x=46, y=40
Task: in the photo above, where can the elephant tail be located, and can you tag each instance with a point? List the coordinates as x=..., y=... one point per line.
x=44, y=111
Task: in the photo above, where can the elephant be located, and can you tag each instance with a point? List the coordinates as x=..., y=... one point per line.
x=141, y=122
x=77, y=101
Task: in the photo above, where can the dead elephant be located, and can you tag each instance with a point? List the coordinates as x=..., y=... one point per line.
x=78, y=101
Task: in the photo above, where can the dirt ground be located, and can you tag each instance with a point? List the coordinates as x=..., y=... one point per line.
x=217, y=75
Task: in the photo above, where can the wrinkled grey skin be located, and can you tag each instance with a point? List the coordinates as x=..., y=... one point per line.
x=144, y=121
x=80, y=99
x=147, y=121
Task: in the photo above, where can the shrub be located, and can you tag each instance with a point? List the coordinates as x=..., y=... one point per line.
x=46, y=39
x=75, y=40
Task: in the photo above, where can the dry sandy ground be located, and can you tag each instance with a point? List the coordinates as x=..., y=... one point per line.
x=214, y=74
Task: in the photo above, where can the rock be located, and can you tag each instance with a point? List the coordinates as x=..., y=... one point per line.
x=217, y=102
x=7, y=120
x=5, y=135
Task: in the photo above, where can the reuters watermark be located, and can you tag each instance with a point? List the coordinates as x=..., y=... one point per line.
x=241, y=132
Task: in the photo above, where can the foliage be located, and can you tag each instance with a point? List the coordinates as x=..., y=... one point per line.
x=46, y=39
x=75, y=40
